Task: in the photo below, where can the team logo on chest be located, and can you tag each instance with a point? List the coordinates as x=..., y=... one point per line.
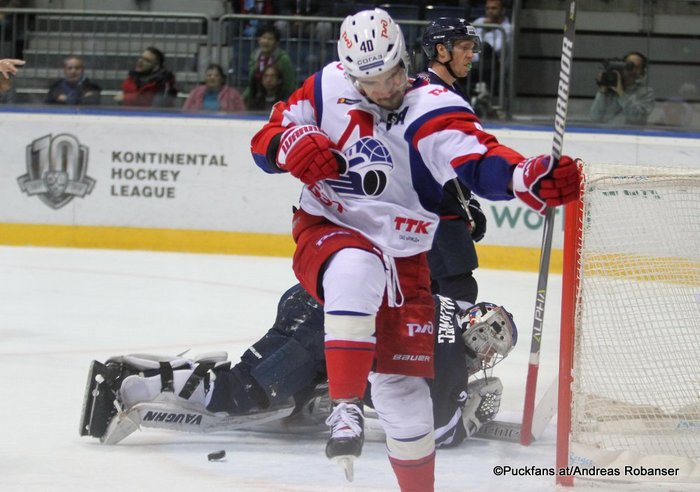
x=369, y=166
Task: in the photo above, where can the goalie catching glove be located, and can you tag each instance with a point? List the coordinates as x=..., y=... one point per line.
x=308, y=154
x=541, y=184
x=483, y=403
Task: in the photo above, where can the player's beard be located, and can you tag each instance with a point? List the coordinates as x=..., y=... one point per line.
x=394, y=101
x=390, y=103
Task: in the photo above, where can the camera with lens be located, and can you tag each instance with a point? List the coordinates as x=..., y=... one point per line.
x=611, y=68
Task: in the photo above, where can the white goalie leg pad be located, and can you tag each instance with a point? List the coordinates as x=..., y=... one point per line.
x=121, y=426
x=144, y=404
x=214, y=357
x=483, y=403
x=405, y=411
x=146, y=362
x=166, y=409
x=138, y=389
x=143, y=401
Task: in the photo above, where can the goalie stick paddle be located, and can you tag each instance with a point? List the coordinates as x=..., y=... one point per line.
x=567, y=51
x=497, y=430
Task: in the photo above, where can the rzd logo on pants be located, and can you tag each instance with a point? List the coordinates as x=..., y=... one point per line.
x=417, y=328
x=56, y=170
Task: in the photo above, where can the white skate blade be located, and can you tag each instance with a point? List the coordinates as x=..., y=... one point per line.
x=347, y=463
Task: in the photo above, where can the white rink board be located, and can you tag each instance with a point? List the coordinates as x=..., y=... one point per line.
x=201, y=170
x=200, y=174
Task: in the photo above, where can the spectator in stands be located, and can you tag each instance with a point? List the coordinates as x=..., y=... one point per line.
x=489, y=61
x=8, y=66
x=149, y=83
x=495, y=13
x=12, y=28
x=320, y=31
x=678, y=110
x=269, y=53
x=5, y=19
x=253, y=7
x=74, y=88
x=214, y=94
x=270, y=90
x=11, y=4
x=623, y=97
x=7, y=90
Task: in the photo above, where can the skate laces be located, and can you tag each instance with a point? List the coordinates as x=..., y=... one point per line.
x=345, y=420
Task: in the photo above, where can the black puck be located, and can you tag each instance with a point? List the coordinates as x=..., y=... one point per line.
x=217, y=455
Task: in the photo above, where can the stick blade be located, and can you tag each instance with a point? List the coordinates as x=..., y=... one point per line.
x=497, y=430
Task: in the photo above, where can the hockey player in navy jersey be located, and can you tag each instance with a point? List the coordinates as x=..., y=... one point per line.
x=374, y=150
x=279, y=382
x=450, y=44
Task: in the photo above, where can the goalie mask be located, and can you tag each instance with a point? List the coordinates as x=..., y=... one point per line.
x=489, y=332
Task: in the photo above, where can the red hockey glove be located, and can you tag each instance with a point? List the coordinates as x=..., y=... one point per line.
x=540, y=184
x=308, y=154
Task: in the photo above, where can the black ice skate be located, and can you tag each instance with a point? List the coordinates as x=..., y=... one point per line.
x=347, y=435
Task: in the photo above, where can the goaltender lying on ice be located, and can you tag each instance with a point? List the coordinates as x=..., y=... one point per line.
x=280, y=382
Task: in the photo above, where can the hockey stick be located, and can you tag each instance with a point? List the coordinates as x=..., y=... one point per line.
x=497, y=430
x=567, y=51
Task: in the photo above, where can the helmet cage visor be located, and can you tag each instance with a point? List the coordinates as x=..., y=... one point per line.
x=490, y=335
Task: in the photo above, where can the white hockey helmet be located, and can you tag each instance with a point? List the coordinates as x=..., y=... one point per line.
x=370, y=44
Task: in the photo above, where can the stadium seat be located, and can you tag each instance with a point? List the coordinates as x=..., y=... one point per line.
x=433, y=12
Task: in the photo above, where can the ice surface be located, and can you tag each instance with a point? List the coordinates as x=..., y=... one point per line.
x=62, y=308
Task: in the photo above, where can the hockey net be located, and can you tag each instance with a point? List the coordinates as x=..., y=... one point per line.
x=629, y=396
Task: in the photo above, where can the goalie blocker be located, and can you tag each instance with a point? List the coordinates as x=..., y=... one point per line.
x=279, y=382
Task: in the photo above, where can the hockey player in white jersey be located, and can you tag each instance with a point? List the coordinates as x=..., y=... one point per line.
x=374, y=150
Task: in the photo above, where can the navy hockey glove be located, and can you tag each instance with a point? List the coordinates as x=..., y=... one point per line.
x=540, y=184
x=308, y=154
x=478, y=220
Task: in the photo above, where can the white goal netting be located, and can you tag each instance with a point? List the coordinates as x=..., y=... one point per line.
x=636, y=373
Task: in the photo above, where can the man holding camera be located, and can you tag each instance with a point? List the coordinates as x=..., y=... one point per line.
x=623, y=96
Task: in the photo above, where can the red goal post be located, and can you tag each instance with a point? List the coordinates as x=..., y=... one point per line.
x=629, y=371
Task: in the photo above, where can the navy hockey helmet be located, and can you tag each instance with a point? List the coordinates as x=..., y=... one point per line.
x=447, y=30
